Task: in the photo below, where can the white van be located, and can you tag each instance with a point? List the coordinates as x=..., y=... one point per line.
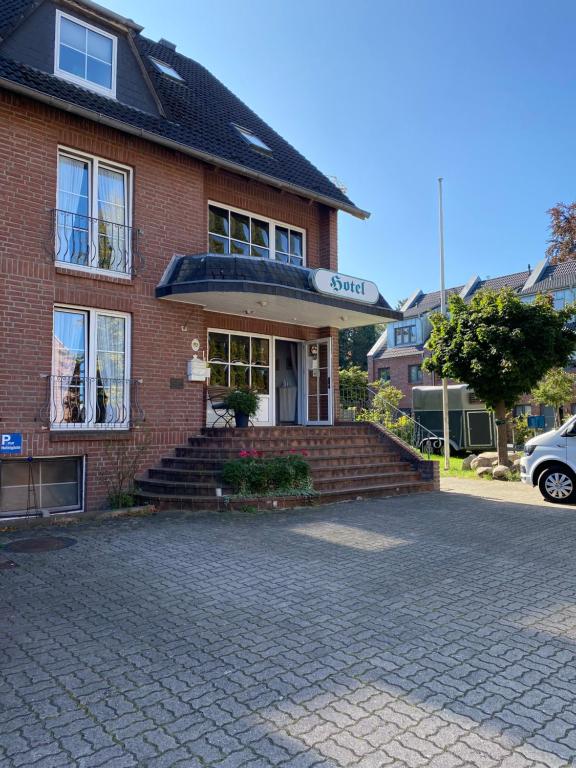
x=550, y=463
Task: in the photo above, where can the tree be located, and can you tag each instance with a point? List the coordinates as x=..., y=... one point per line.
x=562, y=242
x=500, y=346
x=355, y=343
x=555, y=388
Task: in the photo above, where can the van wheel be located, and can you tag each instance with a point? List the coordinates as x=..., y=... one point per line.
x=558, y=484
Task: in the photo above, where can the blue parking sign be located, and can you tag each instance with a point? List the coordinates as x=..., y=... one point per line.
x=10, y=442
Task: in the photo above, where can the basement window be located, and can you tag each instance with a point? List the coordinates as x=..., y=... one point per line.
x=166, y=69
x=252, y=139
x=51, y=484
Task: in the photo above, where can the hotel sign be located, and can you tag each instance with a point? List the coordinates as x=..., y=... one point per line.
x=345, y=286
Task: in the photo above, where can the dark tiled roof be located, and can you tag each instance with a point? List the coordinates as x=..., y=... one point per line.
x=515, y=281
x=199, y=113
x=428, y=302
x=12, y=12
x=415, y=349
x=554, y=277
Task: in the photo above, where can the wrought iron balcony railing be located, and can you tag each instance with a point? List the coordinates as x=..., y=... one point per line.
x=83, y=241
x=79, y=402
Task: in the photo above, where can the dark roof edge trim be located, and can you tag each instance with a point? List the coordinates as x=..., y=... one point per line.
x=98, y=117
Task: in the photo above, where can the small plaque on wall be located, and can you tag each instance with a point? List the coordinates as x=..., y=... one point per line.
x=176, y=383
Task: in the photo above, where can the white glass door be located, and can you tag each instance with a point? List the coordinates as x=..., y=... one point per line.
x=318, y=378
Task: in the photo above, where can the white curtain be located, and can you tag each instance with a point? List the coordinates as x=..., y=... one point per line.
x=73, y=207
x=111, y=394
x=69, y=369
x=112, y=250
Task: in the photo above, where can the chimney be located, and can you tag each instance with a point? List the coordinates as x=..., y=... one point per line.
x=167, y=44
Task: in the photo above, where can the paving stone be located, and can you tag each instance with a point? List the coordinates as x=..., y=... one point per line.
x=241, y=641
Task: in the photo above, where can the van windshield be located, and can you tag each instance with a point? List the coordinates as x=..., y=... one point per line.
x=569, y=428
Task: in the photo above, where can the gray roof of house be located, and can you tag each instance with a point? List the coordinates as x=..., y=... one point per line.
x=554, y=277
x=199, y=114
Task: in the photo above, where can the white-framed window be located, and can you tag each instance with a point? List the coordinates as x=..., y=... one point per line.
x=54, y=484
x=415, y=373
x=85, y=55
x=405, y=334
x=93, y=214
x=239, y=360
x=90, y=382
x=236, y=232
x=384, y=374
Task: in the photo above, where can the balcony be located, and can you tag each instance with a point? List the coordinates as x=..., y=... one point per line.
x=84, y=403
x=268, y=290
x=95, y=245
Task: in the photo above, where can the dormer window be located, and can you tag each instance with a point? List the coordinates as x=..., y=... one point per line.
x=85, y=55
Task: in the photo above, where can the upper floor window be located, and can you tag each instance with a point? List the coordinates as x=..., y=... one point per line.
x=85, y=55
x=93, y=214
x=238, y=233
x=406, y=334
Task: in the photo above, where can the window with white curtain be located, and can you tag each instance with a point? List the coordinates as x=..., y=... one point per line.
x=90, y=369
x=93, y=214
x=85, y=55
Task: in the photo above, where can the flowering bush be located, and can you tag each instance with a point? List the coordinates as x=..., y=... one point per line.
x=253, y=475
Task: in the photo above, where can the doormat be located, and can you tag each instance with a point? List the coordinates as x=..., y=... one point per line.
x=39, y=544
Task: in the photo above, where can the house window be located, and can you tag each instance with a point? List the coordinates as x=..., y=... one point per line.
x=93, y=214
x=405, y=334
x=54, y=485
x=414, y=374
x=90, y=370
x=239, y=233
x=85, y=55
x=522, y=410
x=239, y=360
x=384, y=374
x=252, y=139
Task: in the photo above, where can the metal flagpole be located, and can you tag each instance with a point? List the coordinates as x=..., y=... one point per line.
x=445, y=406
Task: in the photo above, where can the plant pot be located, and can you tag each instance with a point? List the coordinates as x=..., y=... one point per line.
x=242, y=419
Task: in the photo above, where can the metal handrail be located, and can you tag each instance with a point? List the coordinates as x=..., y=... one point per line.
x=359, y=399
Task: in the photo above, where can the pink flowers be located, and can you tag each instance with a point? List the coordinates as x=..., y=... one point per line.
x=251, y=454
x=293, y=451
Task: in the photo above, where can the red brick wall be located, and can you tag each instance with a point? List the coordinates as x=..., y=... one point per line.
x=170, y=206
x=399, y=375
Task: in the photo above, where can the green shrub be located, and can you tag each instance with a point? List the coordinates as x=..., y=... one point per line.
x=253, y=475
x=243, y=401
x=121, y=499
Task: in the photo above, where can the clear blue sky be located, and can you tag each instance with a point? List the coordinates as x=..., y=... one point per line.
x=387, y=95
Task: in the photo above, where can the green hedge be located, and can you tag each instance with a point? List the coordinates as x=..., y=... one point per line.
x=253, y=475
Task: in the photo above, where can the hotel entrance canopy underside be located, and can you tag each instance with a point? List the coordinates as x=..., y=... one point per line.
x=265, y=289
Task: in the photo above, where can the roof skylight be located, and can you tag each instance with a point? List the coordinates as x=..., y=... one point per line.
x=166, y=69
x=252, y=139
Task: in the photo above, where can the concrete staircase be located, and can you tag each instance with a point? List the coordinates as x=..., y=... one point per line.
x=347, y=461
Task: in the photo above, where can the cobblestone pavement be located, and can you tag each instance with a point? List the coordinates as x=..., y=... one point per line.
x=437, y=630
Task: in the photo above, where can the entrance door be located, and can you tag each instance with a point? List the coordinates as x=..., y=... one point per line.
x=318, y=373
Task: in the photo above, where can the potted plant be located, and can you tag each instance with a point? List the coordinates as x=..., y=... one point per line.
x=244, y=403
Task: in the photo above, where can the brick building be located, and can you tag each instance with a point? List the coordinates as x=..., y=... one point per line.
x=149, y=219
x=398, y=354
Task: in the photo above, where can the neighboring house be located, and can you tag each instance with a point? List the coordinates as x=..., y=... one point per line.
x=153, y=228
x=398, y=354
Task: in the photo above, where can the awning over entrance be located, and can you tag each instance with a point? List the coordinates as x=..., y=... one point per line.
x=271, y=290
